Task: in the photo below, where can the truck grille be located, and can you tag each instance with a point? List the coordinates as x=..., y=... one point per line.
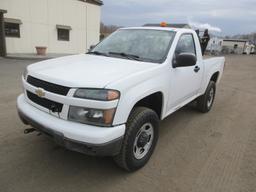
x=51, y=105
x=58, y=89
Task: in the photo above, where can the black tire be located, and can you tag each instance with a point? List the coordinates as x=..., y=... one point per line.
x=139, y=117
x=205, y=102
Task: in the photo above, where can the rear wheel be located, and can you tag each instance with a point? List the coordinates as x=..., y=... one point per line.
x=205, y=102
x=140, y=139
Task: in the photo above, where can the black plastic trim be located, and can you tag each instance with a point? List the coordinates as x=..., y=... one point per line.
x=51, y=87
x=46, y=103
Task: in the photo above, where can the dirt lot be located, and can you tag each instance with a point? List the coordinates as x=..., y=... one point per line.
x=195, y=152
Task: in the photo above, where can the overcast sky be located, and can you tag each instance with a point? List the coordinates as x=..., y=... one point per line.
x=231, y=17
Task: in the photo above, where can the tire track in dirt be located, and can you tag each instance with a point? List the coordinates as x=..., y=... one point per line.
x=220, y=172
x=247, y=173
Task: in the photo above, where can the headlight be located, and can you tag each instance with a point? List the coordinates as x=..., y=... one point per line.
x=91, y=116
x=97, y=94
x=25, y=73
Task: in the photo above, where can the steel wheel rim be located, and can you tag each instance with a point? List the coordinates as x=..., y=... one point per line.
x=210, y=98
x=139, y=151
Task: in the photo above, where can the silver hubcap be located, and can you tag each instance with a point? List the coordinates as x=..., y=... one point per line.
x=143, y=141
x=210, y=98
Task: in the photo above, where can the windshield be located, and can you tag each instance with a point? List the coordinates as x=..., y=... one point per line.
x=137, y=44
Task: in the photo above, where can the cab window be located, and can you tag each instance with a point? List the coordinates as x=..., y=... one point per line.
x=186, y=44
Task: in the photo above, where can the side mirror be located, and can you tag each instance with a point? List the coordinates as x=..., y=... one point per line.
x=184, y=60
x=92, y=47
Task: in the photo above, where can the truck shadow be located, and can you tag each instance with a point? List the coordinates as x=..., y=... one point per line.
x=178, y=121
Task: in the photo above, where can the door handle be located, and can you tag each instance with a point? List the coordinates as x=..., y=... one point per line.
x=197, y=69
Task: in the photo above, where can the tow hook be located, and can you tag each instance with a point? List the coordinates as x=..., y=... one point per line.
x=30, y=130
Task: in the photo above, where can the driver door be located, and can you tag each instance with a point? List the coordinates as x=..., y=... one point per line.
x=185, y=81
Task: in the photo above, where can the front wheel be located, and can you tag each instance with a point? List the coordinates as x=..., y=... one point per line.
x=140, y=139
x=205, y=102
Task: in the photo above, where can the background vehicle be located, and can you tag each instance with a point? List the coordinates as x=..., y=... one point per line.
x=109, y=102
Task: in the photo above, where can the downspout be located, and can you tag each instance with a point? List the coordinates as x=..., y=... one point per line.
x=3, y=51
x=86, y=36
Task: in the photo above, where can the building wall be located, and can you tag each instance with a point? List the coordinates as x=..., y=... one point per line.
x=228, y=47
x=93, y=25
x=233, y=43
x=39, y=19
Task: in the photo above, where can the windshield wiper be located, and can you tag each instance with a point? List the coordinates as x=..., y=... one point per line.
x=97, y=53
x=128, y=56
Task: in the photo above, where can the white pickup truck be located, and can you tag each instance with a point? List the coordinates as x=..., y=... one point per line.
x=109, y=101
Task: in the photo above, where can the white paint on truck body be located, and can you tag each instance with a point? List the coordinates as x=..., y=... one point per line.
x=134, y=79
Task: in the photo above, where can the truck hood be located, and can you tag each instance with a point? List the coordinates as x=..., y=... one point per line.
x=86, y=71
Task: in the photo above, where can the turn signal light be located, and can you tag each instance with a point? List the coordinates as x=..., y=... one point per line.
x=163, y=24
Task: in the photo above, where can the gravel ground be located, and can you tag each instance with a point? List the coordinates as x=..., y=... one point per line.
x=214, y=152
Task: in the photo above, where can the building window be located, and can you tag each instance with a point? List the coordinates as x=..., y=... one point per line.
x=63, y=35
x=63, y=32
x=12, y=27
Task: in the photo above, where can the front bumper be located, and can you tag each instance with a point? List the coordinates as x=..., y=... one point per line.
x=87, y=139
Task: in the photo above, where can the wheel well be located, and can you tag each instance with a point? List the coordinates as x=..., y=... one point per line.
x=154, y=102
x=215, y=77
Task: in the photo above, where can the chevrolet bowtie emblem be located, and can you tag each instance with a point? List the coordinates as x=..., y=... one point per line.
x=40, y=92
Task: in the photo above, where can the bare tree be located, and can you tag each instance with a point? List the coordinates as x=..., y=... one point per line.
x=107, y=29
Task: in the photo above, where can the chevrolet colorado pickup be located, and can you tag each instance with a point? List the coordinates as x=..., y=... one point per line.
x=109, y=101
